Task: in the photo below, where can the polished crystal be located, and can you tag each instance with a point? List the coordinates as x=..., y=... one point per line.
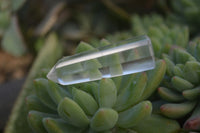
x=122, y=58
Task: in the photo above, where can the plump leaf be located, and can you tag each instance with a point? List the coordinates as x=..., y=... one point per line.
x=104, y=119
x=12, y=41
x=72, y=112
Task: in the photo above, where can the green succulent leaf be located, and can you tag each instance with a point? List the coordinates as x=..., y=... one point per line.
x=131, y=95
x=85, y=101
x=34, y=103
x=83, y=47
x=181, y=84
x=104, y=119
x=155, y=76
x=193, y=123
x=12, y=41
x=177, y=110
x=107, y=93
x=35, y=121
x=170, y=95
x=41, y=88
x=56, y=92
x=70, y=111
x=191, y=71
x=134, y=115
x=192, y=94
x=156, y=124
x=59, y=126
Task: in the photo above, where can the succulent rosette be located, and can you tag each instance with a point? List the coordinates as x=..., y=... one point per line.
x=159, y=100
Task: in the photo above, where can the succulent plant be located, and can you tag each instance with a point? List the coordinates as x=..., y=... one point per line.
x=125, y=104
x=181, y=86
x=186, y=12
x=163, y=34
x=114, y=105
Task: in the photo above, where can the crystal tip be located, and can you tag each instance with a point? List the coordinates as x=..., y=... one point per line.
x=52, y=75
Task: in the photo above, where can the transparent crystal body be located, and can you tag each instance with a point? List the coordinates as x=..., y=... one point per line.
x=122, y=58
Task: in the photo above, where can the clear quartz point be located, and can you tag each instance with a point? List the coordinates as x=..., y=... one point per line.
x=122, y=58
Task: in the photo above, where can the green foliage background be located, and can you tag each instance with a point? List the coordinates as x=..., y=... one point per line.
x=46, y=27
